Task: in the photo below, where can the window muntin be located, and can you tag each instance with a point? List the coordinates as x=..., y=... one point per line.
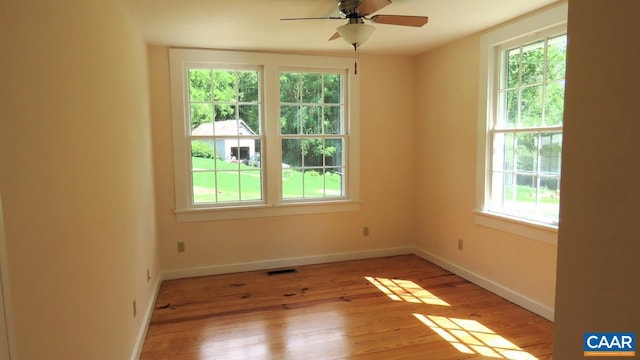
x=526, y=130
x=224, y=134
x=313, y=136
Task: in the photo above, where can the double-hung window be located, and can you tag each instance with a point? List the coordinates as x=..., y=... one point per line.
x=223, y=133
x=522, y=136
x=312, y=135
x=526, y=132
x=262, y=134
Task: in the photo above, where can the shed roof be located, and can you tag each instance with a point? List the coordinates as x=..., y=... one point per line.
x=223, y=128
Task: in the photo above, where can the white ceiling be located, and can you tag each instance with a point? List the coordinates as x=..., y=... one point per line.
x=256, y=24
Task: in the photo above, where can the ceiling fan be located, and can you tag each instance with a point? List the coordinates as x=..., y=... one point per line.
x=356, y=31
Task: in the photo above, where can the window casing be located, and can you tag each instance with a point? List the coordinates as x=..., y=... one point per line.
x=259, y=134
x=507, y=128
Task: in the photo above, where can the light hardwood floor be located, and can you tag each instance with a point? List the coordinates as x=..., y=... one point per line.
x=399, y=307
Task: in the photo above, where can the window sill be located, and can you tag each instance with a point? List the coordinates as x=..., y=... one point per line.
x=529, y=229
x=265, y=210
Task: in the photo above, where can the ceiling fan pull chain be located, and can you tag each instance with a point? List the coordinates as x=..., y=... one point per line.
x=356, y=58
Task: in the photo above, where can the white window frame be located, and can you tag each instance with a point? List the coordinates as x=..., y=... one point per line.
x=529, y=26
x=180, y=60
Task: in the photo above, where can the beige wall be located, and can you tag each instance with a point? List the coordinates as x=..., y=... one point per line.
x=388, y=156
x=599, y=251
x=76, y=177
x=447, y=124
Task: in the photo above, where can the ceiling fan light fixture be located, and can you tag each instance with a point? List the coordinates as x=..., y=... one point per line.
x=355, y=33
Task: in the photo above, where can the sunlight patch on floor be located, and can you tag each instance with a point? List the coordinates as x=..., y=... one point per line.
x=471, y=337
x=405, y=290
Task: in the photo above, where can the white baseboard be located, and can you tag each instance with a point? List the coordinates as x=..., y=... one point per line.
x=279, y=263
x=496, y=288
x=144, y=325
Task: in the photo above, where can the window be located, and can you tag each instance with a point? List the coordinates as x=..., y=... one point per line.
x=526, y=131
x=262, y=134
x=312, y=133
x=224, y=133
x=520, y=133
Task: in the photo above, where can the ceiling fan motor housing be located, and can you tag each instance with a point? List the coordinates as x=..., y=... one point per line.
x=350, y=8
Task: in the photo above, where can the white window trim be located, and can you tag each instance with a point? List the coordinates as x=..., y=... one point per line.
x=273, y=204
x=527, y=26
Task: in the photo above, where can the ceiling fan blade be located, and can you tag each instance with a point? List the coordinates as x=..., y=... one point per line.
x=334, y=36
x=403, y=20
x=317, y=18
x=370, y=6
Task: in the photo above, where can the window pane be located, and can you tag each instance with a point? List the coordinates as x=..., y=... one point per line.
x=333, y=120
x=513, y=66
x=204, y=188
x=550, y=153
x=311, y=123
x=224, y=82
x=549, y=206
x=554, y=103
x=250, y=185
x=335, y=171
x=201, y=114
x=203, y=154
x=507, y=109
x=229, y=128
x=525, y=194
x=333, y=152
x=251, y=116
x=289, y=87
x=556, y=57
x=311, y=88
x=255, y=157
x=531, y=106
x=532, y=63
x=292, y=152
x=248, y=86
x=313, y=183
x=332, y=88
x=225, y=112
x=526, y=152
x=228, y=186
x=292, y=183
x=507, y=190
x=238, y=150
x=313, y=152
x=333, y=182
x=289, y=119
x=551, y=186
x=503, y=152
x=200, y=84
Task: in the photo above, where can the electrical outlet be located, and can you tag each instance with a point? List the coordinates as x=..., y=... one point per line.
x=460, y=245
x=135, y=309
x=365, y=231
x=181, y=247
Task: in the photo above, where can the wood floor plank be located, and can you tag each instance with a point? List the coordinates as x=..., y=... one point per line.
x=399, y=307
